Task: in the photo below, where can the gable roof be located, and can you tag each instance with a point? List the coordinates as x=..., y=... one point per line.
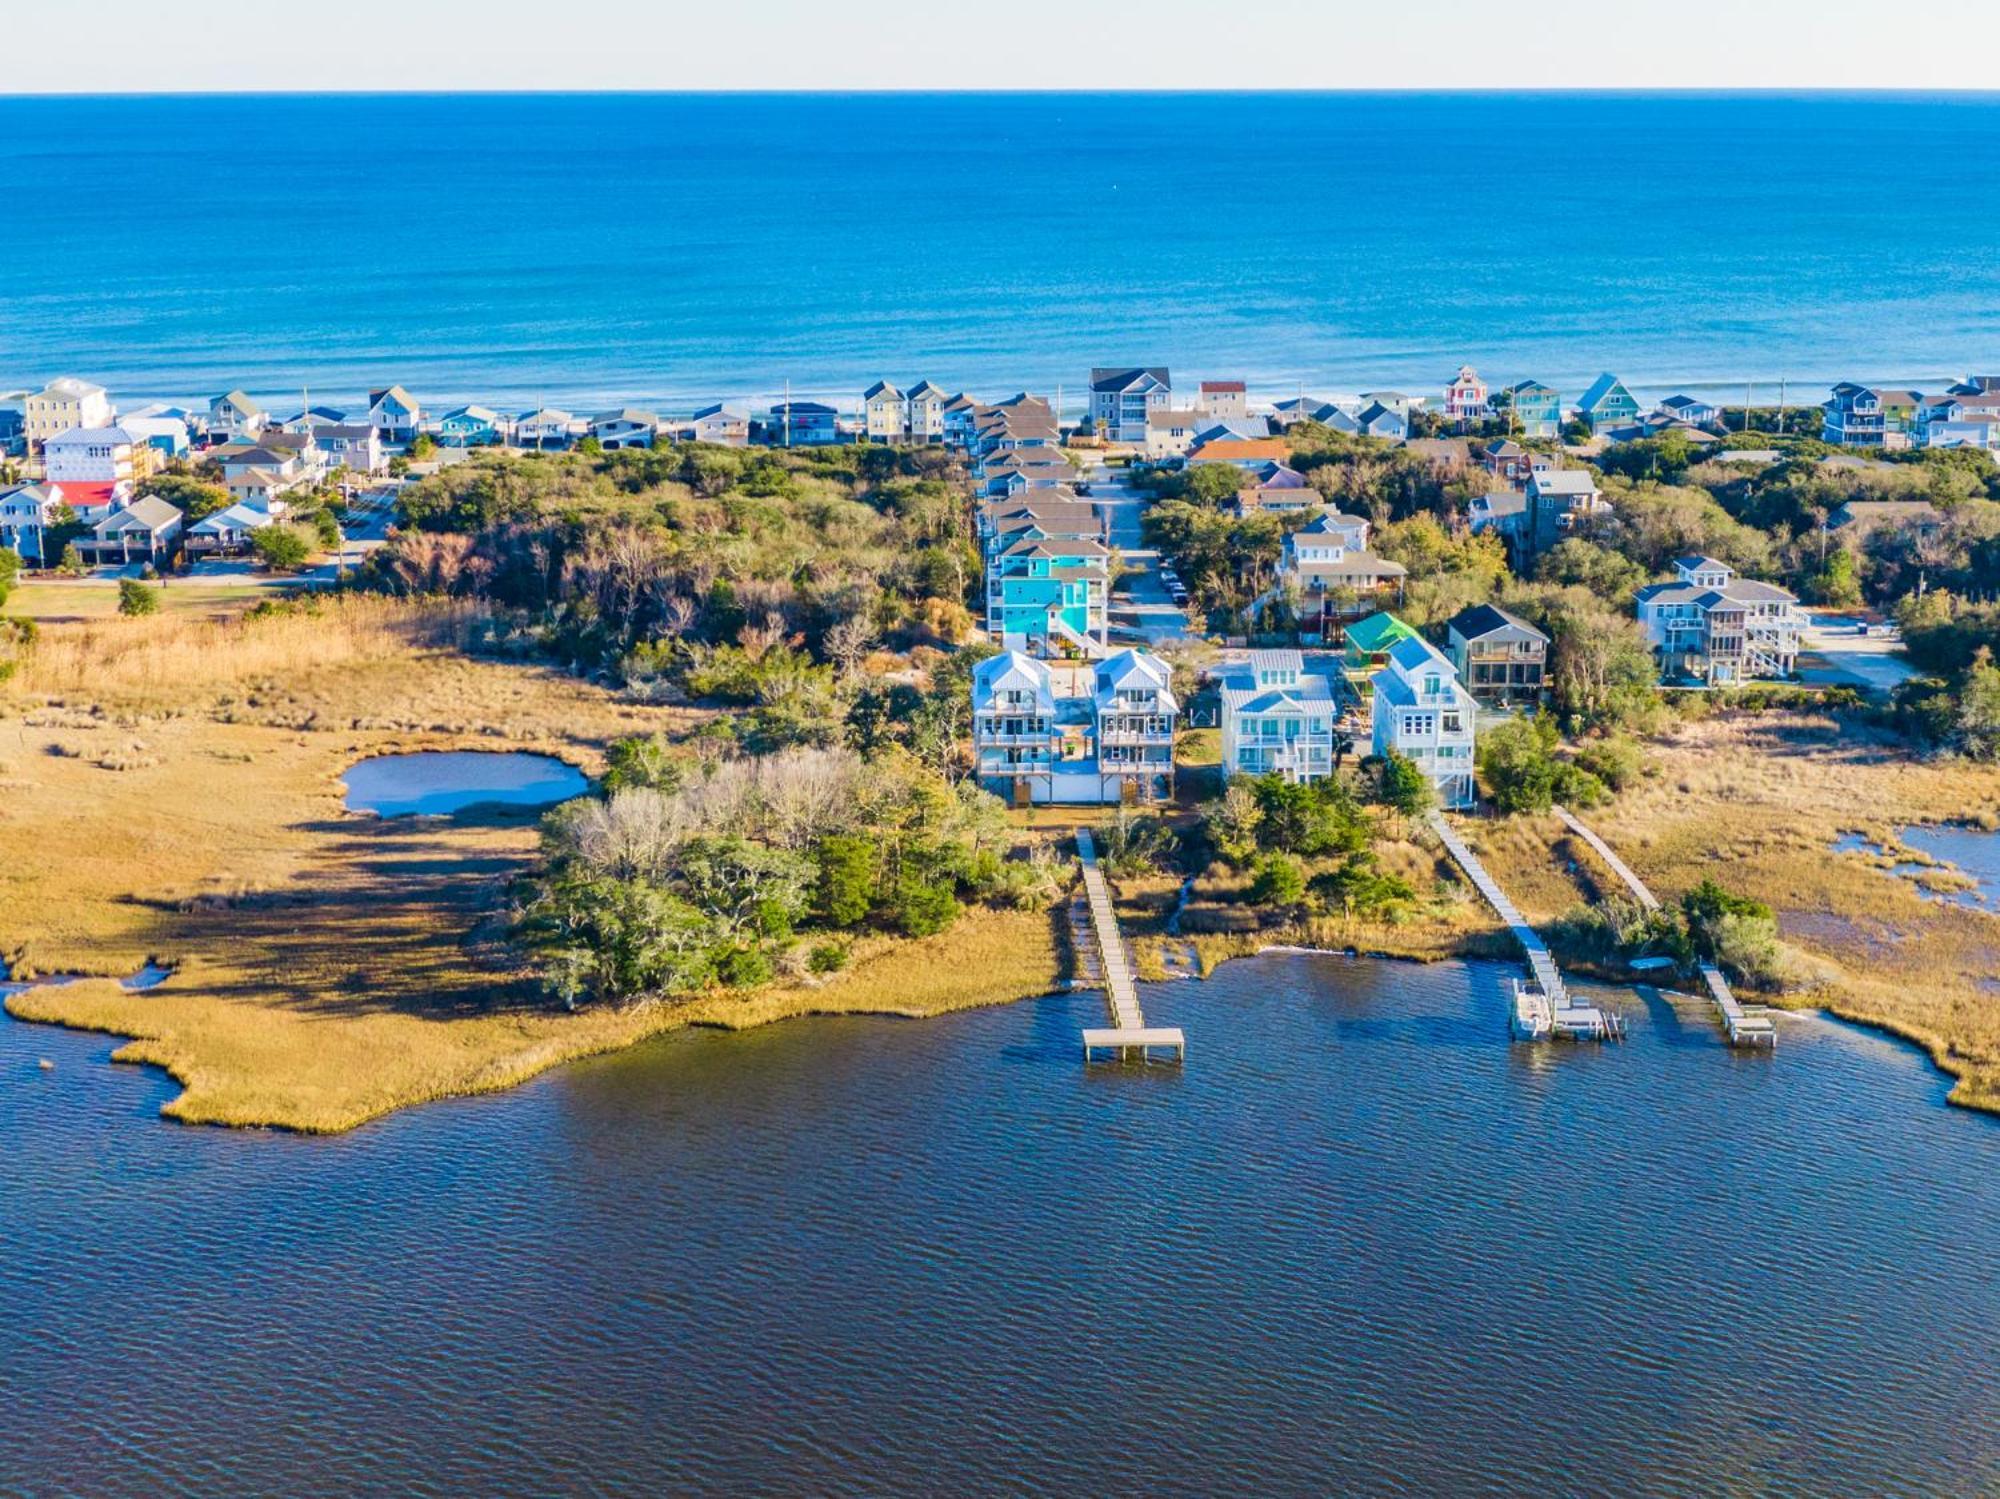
x=1378, y=632
x=881, y=388
x=390, y=393
x=149, y=512
x=1601, y=390
x=237, y=402
x=1482, y=620
x=1114, y=381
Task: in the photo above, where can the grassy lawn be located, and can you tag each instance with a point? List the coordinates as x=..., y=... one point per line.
x=68, y=598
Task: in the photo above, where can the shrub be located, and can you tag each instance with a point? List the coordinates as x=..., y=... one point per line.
x=849, y=868
x=1405, y=787
x=827, y=957
x=1280, y=881
x=135, y=598
x=921, y=907
x=283, y=548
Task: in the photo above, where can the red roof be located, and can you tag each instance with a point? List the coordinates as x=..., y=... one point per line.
x=1240, y=450
x=1223, y=387
x=90, y=496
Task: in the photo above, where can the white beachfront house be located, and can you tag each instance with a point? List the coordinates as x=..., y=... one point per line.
x=724, y=425
x=61, y=405
x=1073, y=732
x=1422, y=711
x=89, y=455
x=1279, y=716
x=1710, y=628
x=27, y=511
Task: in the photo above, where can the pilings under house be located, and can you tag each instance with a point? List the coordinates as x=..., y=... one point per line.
x=1751, y=1026
x=1128, y=1035
x=1543, y=1009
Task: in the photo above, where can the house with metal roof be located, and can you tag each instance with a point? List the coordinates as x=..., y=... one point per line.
x=1381, y=419
x=146, y=530
x=1074, y=732
x=1334, y=576
x=1607, y=403
x=1280, y=716
x=1047, y=595
x=1422, y=711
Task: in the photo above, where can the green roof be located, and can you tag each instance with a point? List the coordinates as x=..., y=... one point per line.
x=1378, y=632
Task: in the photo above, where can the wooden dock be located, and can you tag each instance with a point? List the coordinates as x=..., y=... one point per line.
x=1542, y=1006
x=1128, y=1035
x=1745, y=1027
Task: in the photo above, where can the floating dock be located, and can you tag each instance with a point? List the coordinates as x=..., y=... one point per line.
x=1745, y=1027
x=1128, y=1035
x=1542, y=1006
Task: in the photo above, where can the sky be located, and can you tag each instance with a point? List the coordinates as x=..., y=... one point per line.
x=145, y=46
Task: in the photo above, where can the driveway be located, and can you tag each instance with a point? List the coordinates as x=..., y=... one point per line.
x=1833, y=650
x=1141, y=608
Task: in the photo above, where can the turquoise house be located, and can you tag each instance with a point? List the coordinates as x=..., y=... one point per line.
x=1047, y=593
x=1608, y=404
x=1537, y=409
x=472, y=427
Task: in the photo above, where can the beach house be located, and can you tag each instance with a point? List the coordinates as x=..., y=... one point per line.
x=1696, y=413
x=923, y=419
x=1171, y=433
x=1365, y=648
x=472, y=427
x=1249, y=453
x=169, y=430
x=228, y=532
x=1076, y=733
x=1279, y=716
x=1121, y=399
x=1501, y=659
x=394, y=412
x=885, y=413
x=1607, y=404
x=724, y=425
x=234, y=417
x=94, y=455
x=61, y=406
x=544, y=428
x=805, y=424
x=1861, y=416
x=1276, y=489
x=1560, y=501
x=1708, y=627
x=1422, y=711
x=1534, y=410
x=1226, y=399
x=1959, y=419
x=1465, y=398
x=146, y=530
x=627, y=427
x=27, y=512
x=1380, y=419
x=1047, y=595
x=1327, y=567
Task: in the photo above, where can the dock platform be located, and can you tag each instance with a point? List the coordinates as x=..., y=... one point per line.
x=1128, y=1034
x=1744, y=1026
x=1542, y=1006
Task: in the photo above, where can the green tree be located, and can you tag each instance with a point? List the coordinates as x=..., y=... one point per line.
x=1517, y=762
x=1837, y=584
x=284, y=548
x=1280, y=881
x=646, y=760
x=849, y=868
x=135, y=598
x=1405, y=787
x=71, y=563
x=1978, y=725
x=10, y=570
x=196, y=499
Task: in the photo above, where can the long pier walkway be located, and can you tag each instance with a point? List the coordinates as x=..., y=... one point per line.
x=1128, y=1033
x=1752, y=1027
x=1542, y=1008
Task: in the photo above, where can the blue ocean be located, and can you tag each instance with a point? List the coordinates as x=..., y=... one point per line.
x=673, y=249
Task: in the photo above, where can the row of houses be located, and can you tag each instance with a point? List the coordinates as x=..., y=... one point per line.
x=1965, y=415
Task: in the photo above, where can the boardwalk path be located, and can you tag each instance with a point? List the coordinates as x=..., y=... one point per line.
x=1745, y=1028
x=1128, y=1030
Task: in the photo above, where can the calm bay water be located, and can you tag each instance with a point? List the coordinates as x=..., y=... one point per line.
x=676, y=249
x=1335, y=1255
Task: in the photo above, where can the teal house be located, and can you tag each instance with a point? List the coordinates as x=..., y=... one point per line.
x=1608, y=404
x=472, y=427
x=1537, y=410
x=1047, y=594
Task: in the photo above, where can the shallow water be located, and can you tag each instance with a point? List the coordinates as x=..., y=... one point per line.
x=436, y=783
x=1360, y=1244
x=1972, y=851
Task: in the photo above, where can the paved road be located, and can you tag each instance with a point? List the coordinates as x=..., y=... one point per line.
x=1141, y=607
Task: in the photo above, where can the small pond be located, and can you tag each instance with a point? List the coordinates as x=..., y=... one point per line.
x=437, y=783
x=1972, y=852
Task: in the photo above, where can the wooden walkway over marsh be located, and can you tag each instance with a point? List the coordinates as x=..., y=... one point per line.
x=1542, y=1007
x=1745, y=1027
x=1128, y=1034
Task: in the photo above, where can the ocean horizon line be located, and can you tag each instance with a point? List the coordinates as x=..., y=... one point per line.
x=1694, y=91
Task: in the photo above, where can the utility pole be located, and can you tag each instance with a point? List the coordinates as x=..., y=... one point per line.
x=1781, y=408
